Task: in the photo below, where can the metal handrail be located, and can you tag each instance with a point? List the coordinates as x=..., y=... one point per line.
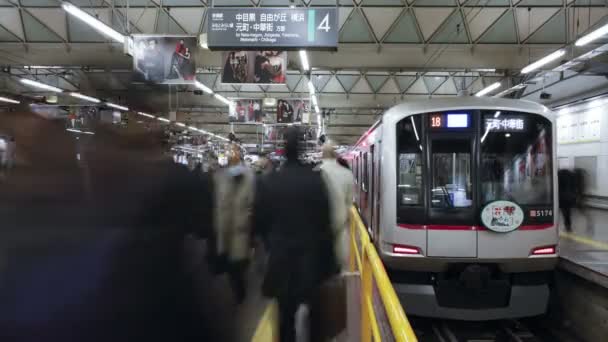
x=365, y=259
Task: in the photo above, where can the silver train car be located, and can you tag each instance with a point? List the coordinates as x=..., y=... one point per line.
x=459, y=196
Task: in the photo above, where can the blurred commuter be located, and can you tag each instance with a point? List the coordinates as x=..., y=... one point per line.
x=293, y=205
x=95, y=252
x=567, y=195
x=340, y=183
x=234, y=203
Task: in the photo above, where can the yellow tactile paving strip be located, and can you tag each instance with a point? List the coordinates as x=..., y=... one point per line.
x=584, y=240
x=267, y=327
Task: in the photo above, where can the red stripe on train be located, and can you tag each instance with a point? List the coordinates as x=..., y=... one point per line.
x=468, y=228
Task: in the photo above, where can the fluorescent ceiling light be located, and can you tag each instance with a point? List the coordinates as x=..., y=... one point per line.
x=113, y=105
x=40, y=85
x=485, y=70
x=203, y=87
x=497, y=114
x=84, y=97
x=311, y=88
x=488, y=89
x=93, y=22
x=304, y=60
x=88, y=132
x=193, y=128
x=6, y=99
x=588, y=38
x=317, y=109
x=314, y=100
x=146, y=115
x=545, y=60
x=180, y=124
x=44, y=67
x=223, y=99
x=163, y=119
x=73, y=130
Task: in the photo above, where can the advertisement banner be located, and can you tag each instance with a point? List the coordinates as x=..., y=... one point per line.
x=289, y=110
x=260, y=67
x=276, y=28
x=247, y=110
x=164, y=59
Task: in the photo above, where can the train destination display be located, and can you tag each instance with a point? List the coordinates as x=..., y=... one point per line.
x=450, y=120
x=278, y=28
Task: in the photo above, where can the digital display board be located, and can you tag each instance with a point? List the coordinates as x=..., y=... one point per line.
x=275, y=28
x=505, y=123
x=450, y=120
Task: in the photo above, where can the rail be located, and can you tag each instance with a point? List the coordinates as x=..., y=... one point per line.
x=365, y=259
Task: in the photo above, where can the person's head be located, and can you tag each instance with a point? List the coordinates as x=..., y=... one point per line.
x=234, y=157
x=292, y=137
x=152, y=43
x=328, y=151
x=181, y=41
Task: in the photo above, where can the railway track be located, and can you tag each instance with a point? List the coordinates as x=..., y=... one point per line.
x=429, y=330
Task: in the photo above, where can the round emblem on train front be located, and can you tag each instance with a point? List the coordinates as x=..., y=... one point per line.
x=502, y=216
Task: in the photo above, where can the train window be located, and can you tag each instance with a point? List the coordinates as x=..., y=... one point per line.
x=516, y=158
x=452, y=186
x=410, y=161
x=365, y=180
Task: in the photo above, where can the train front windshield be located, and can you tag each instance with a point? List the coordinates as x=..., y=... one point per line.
x=454, y=163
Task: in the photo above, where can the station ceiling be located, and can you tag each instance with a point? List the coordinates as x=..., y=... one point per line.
x=390, y=51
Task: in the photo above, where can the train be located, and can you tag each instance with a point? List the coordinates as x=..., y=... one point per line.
x=459, y=196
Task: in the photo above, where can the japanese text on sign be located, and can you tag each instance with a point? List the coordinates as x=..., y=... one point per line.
x=505, y=124
x=279, y=28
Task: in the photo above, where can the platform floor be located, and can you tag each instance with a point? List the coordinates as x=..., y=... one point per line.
x=585, y=250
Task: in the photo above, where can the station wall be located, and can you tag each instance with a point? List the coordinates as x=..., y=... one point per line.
x=582, y=142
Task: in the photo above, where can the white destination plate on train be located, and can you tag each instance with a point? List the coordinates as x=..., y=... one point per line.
x=502, y=216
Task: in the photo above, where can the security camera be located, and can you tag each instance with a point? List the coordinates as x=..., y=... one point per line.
x=545, y=96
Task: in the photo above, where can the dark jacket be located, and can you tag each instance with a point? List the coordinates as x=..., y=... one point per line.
x=293, y=208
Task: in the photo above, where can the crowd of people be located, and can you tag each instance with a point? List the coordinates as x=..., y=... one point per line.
x=98, y=246
x=272, y=210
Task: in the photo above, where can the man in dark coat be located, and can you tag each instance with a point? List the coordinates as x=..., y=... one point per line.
x=293, y=206
x=93, y=248
x=567, y=195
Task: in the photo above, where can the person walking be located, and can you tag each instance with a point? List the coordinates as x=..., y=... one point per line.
x=567, y=195
x=294, y=205
x=234, y=203
x=340, y=182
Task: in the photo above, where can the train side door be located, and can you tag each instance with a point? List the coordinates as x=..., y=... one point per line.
x=451, y=230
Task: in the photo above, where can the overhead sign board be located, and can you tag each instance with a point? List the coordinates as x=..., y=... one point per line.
x=276, y=28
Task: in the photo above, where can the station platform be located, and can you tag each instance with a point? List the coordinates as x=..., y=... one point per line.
x=584, y=251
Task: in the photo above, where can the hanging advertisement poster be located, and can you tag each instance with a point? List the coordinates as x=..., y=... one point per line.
x=247, y=110
x=289, y=111
x=259, y=67
x=164, y=59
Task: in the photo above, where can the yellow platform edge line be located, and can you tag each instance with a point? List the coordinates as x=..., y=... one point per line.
x=584, y=240
x=265, y=330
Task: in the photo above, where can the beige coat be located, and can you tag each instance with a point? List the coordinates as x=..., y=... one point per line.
x=233, y=211
x=340, y=182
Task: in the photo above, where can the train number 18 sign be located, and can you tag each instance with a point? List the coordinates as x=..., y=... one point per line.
x=502, y=216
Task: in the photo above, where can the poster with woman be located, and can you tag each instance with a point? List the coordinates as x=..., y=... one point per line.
x=247, y=110
x=164, y=59
x=292, y=110
x=258, y=67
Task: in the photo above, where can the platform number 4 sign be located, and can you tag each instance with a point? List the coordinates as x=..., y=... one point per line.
x=324, y=25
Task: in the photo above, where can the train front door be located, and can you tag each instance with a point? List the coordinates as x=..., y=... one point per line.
x=451, y=229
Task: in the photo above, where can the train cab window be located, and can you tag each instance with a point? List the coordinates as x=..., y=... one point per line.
x=409, y=147
x=451, y=163
x=516, y=158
